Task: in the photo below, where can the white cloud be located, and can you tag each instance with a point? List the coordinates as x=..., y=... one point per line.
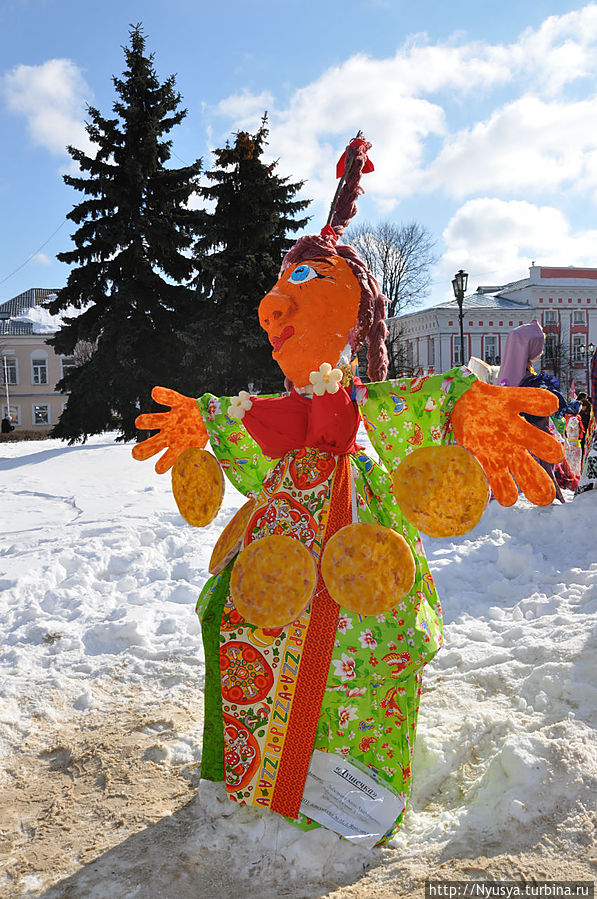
x=528, y=145
x=308, y=135
x=561, y=50
x=51, y=97
x=245, y=107
x=41, y=258
x=496, y=240
x=403, y=103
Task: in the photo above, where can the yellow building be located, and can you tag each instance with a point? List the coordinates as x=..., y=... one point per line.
x=29, y=368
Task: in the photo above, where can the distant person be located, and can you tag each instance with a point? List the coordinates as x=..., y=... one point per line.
x=7, y=425
x=524, y=346
x=573, y=434
x=593, y=384
x=585, y=417
x=588, y=478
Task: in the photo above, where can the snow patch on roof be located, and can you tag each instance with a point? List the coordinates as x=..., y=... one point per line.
x=42, y=321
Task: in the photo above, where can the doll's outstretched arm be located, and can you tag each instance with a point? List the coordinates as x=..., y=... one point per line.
x=180, y=428
x=487, y=421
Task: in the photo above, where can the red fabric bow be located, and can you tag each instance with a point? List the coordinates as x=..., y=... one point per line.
x=329, y=422
x=356, y=142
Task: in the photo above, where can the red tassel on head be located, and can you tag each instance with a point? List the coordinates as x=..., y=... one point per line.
x=328, y=231
x=356, y=143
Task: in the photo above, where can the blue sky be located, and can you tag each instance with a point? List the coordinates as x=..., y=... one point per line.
x=483, y=116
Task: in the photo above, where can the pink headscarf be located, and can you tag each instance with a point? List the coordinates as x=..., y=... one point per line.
x=524, y=344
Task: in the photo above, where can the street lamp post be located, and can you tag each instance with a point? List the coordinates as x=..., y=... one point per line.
x=459, y=284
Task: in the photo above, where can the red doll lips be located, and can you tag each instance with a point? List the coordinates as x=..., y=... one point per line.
x=277, y=342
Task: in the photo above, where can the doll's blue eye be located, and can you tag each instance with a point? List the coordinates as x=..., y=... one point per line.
x=302, y=273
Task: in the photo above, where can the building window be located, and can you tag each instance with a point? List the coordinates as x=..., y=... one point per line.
x=9, y=372
x=14, y=412
x=40, y=370
x=551, y=351
x=549, y=317
x=432, y=351
x=578, y=348
x=41, y=414
x=490, y=346
x=68, y=363
x=457, y=351
x=578, y=317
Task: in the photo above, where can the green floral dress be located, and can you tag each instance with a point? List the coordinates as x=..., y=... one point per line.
x=371, y=695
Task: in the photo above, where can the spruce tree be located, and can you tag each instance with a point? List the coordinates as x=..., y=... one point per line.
x=132, y=261
x=243, y=242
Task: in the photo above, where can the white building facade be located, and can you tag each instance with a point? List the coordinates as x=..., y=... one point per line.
x=562, y=300
x=29, y=368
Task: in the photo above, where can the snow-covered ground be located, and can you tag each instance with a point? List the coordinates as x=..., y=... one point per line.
x=98, y=580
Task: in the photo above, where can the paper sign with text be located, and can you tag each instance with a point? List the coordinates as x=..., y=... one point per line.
x=349, y=799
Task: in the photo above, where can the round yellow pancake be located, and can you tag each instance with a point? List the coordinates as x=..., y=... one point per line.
x=367, y=568
x=441, y=489
x=273, y=580
x=198, y=486
x=231, y=537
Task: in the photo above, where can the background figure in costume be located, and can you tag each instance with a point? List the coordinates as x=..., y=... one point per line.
x=573, y=432
x=570, y=431
x=585, y=418
x=593, y=381
x=524, y=346
x=333, y=672
x=588, y=478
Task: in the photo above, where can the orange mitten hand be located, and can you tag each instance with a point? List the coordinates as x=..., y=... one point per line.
x=487, y=421
x=179, y=429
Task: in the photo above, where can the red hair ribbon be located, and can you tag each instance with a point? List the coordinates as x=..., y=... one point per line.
x=328, y=231
x=356, y=142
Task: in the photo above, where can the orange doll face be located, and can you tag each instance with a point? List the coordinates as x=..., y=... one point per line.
x=308, y=315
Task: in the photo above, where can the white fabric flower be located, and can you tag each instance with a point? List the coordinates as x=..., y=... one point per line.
x=239, y=405
x=326, y=380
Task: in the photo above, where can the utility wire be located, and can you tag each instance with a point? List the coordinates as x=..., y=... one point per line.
x=23, y=264
x=53, y=234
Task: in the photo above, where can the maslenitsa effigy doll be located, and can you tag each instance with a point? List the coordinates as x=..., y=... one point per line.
x=321, y=612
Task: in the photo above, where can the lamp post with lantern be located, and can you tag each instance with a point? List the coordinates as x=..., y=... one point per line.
x=459, y=283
